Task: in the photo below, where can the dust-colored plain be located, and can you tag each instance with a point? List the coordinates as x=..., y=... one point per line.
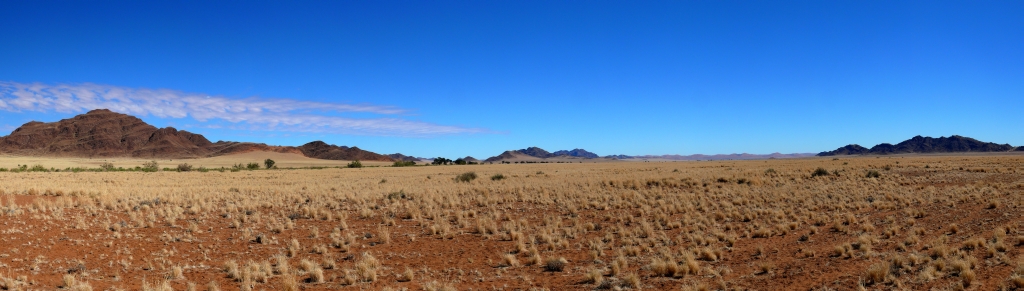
x=915, y=222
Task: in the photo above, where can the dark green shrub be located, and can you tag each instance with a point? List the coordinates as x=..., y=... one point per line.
x=403, y=164
x=269, y=163
x=184, y=167
x=819, y=172
x=497, y=177
x=465, y=177
x=150, y=166
x=355, y=164
x=253, y=166
x=107, y=166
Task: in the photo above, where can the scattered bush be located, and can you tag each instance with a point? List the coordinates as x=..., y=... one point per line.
x=184, y=167
x=252, y=166
x=819, y=172
x=151, y=166
x=354, y=164
x=873, y=174
x=555, y=264
x=107, y=166
x=466, y=177
x=497, y=177
x=403, y=164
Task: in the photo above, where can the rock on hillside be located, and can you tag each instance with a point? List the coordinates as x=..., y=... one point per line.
x=919, y=144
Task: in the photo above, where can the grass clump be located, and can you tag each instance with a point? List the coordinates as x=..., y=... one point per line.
x=820, y=172
x=873, y=174
x=466, y=177
x=497, y=177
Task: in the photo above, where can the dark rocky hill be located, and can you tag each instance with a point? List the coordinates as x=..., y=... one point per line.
x=322, y=150
x=535, y=152
x=576, y=153
x=923, y=145
x=104, y=133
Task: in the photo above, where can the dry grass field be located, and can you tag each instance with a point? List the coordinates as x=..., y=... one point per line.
x=919, y=222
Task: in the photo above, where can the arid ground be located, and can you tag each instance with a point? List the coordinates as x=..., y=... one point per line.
x=877, y=223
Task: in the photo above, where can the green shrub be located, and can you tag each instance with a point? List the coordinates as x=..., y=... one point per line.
x=184, y=167
x=38, y=168
x=403, y=164
x=497, y=177
x=150, y=166
x=355, y=164
x=253, y=166
x=107, y=166
x=873, y=174
x=819, y=172
x=269, y=163
x=237, y=167
x=465, y=177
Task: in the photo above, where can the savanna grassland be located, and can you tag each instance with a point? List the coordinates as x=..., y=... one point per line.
x=918, y=222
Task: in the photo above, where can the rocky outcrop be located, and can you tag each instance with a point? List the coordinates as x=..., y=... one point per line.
x=322, y=150
x=104, y=133
x=924, y=145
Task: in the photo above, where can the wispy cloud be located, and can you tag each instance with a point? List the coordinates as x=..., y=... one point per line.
x=259, y=114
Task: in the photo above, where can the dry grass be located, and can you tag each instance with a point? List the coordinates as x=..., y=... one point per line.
x=692, y=225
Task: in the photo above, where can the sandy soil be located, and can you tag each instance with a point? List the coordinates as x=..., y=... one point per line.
x=283, y=160
x=955, y=210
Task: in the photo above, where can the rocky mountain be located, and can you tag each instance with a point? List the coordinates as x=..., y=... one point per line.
x=325, y=151
x=104, y=133
x=700, y=157
x=401, y=157
x=576, y=153
x=535, y=152
x=919, y=144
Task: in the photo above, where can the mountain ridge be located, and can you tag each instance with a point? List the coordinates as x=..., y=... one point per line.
x=923, y=145
x=104, y=133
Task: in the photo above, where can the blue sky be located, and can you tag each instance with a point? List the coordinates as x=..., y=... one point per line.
x=438, y=78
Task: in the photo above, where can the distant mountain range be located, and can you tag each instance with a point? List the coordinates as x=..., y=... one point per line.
x=536, y=153
x=700, y=157
x=104, y=133
x=539, y=154
x=924, y=145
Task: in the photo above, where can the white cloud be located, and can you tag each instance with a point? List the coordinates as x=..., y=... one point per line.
x=261, y=114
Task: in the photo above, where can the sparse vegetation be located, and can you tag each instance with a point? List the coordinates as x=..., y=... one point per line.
x=466, y=177
x=621, y=225
x=354, y=164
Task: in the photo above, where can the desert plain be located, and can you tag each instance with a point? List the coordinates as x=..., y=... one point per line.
x=915, y=222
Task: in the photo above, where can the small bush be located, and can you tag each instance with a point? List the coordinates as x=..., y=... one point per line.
x=184, y=167
x=873, y=174
x=497, y=177
x=253, y=166
x=269, y=163
x=355, y=164
x=820, y=172
x=107, y=166
x=555, y=264
x=150, y=166
x=770, y=171
x=403, y=164
x=466, y=177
